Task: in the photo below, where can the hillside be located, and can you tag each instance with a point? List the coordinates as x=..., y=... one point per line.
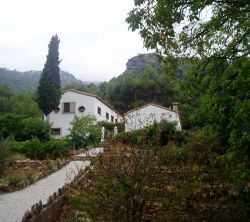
x=137, y=65
x=28, y=81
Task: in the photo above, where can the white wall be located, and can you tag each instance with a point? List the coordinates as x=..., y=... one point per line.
x=63, y=120
x=145, y=116
x=105, y=109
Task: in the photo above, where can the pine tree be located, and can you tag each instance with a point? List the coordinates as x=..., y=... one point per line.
x=49, y=89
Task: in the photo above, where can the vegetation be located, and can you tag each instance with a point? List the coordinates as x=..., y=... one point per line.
x=18, y=104
x=84, y=132
x=3, y=154
x=224, y=34
x=201, y=175
x=49, y=89
x=182, y=180
x=36, y=149
x=20, y=82
x=216, y=85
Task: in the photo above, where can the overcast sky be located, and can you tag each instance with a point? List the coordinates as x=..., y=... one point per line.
x=95, y=40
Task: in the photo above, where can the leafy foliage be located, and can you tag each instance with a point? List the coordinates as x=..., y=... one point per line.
x=49, y=89
x=158, y=134
x=21, y=104
x=34, y=127
x=22, y=128
x=4, y=148
x=224, y=32
x=85, y=131
x=36, y=149
x=120, y=186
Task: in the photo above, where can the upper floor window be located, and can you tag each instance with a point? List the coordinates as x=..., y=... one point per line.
x=69, y=107
x=99, y=110
x=81, y=109
x=112, y=118
x=115, y=120
x=107, y=116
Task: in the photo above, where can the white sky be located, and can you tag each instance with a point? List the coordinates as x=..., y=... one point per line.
x=95, y=41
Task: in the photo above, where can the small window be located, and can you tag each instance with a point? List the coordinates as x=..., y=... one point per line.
x=107, y=116
x=56, y=131
x=115, y=120
x=99, y=110
x=81, y=109
x=66, y=107
x=57, y=110
x=69, y=107
x=112, y=118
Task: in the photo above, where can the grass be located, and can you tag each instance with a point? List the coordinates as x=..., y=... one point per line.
x=13, y=180
x=16, y=156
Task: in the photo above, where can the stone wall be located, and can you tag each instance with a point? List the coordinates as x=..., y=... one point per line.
x=52, y=209
x=48, y=212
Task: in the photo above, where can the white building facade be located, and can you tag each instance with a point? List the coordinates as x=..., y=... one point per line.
x=75, y=103
x=148, y=114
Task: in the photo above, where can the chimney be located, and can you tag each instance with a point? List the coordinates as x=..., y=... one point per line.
x=175, y=106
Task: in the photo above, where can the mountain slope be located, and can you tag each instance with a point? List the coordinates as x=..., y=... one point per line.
x=28, y=81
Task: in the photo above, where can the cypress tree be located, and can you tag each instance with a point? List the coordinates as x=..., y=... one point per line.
x=49, y=89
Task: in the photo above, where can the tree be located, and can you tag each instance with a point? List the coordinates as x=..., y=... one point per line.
x=49, y=89
x=219, y=80
x=85, y=131
x=181, y=27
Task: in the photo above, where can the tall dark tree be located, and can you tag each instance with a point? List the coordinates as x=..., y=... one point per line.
x=49, y=89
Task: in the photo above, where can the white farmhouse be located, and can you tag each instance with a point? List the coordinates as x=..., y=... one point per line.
x=76, y=103
x=150, y=113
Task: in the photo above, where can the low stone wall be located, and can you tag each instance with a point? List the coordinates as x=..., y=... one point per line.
x=52, y=209
x=48, y=212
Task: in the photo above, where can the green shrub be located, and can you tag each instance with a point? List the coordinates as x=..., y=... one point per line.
x=56, y=148
x=36, y=149
x=34, y=127
x=156, y=134
x=10, y=125
x=22, y=129
x=15, y=180
x=85, y=131
x=3, y=153
x=33, y=148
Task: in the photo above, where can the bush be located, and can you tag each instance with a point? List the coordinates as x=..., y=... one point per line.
x=157, y=134
x=10, y=125
x=36, y=149
x=57, y=148
x=123, y=186
x=24, y=128
x=33, y=148
x=15, y=180
x=34, y=127
x=3, y=152
x=85, y=131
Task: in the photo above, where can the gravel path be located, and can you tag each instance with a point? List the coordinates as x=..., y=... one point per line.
x=14, y=205
x=92, y=152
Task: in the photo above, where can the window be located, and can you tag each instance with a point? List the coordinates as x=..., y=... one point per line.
x=112, y=118
x=81, y=109
x=69, y=107
x=57, y=110
x=56, y=131
x=107, y=116
x=115, y=120
x=99, y=110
